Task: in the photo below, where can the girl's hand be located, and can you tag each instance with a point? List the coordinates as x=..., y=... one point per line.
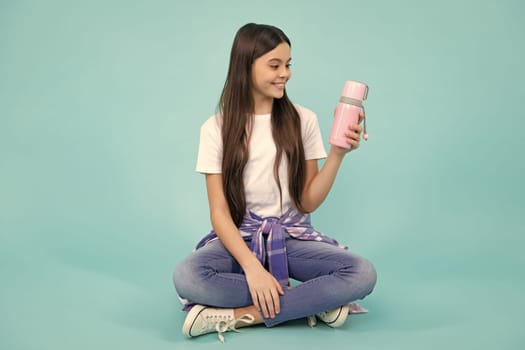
x=353, y=137
x=265, y=291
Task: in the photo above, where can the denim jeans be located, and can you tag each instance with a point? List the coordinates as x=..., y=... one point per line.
x=330, y=276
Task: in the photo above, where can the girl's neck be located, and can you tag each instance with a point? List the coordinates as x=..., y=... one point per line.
x=263, y=106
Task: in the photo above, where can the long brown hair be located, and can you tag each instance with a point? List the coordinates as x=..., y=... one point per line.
x=237, y=108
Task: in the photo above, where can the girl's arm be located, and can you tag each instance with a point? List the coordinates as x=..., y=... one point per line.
x=319, y=182
x=264, y=288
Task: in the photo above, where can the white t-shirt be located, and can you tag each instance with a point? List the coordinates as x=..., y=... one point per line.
x=262, y=192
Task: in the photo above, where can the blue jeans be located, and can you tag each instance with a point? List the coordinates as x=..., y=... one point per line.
x=330, y=277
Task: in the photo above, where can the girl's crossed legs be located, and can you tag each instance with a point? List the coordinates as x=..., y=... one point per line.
x=330, y=276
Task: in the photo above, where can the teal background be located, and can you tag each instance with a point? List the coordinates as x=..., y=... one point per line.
x=100, y=108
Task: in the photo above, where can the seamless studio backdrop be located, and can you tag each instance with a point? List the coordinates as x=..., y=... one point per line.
x=100, y=108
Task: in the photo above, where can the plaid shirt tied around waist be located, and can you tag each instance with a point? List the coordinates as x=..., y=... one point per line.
x=267, y=237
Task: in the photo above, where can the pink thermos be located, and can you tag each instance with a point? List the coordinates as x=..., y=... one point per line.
x=347, y=112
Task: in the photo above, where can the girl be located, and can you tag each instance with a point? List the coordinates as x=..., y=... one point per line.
x=259, y=155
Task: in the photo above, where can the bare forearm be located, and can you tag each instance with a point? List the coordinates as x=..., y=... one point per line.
x=316, y=191
x=230, y=237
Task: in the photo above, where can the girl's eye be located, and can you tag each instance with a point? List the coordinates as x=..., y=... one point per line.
x=288, y=65
x=274, y=66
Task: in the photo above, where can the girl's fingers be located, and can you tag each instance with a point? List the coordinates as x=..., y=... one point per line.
x=255, y=300
x=271, y=303
x=267, y=303
x=276, y=302
x=280, y=289
x=270, y=307
x=266, y=300
x=264, y=307
x=353, y=139
x=356, y=127
x=354, y=135
x=361, y=117
x=354, y=144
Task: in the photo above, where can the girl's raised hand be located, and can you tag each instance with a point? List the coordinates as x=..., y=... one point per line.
x=353, y=136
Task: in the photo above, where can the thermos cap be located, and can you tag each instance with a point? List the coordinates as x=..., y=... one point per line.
x=355, y=89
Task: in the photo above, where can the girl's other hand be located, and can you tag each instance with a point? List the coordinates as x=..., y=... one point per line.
x=265, y=291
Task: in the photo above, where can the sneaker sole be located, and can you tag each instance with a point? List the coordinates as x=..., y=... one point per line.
x=192, y=315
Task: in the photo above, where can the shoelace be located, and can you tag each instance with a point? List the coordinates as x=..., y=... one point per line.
x=224, y=326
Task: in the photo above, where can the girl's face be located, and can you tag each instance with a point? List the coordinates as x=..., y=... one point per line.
x=270, y=72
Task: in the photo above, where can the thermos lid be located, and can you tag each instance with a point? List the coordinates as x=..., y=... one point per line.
x=355, y=89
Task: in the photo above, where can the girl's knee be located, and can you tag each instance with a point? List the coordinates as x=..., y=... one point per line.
x=182, y=278
x=368, y=275
x=361, y=276
x=177, y=277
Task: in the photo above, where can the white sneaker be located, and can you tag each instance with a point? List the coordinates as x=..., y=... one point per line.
x=333, y=318
x=203, y=319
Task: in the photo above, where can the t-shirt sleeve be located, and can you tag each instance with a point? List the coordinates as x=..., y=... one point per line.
x=209, y=159
x=312, y=138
